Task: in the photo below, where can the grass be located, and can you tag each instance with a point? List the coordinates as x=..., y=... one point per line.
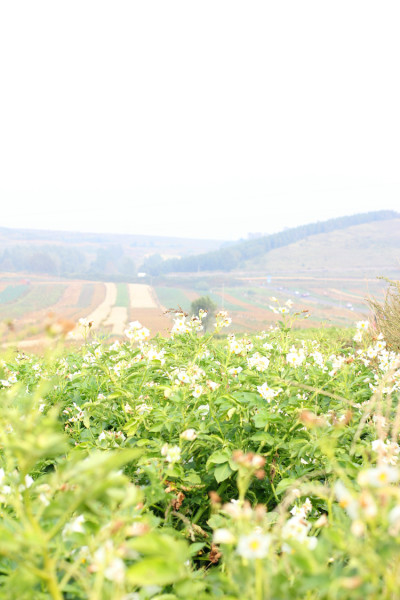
x=122, y=295
x=172, y=297
x=12, y=293
x=38, y=297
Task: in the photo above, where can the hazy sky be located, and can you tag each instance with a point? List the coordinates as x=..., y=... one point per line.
x=199, y=119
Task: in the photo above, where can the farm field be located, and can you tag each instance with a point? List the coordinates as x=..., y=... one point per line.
x=29, y=307
x=28, y=310
x=255, y=467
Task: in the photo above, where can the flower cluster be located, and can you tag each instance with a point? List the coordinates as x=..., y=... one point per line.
x=136, y=332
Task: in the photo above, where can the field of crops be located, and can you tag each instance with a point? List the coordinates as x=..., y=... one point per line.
x=30, y=308
x=256, y=467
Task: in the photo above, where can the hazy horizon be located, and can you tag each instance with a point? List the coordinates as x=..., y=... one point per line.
x=248, y=235
x=208, y=121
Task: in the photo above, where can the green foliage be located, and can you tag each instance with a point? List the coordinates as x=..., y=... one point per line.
x=204, y=303
x=110, y=262
x=172, y=297
x=122, y=295
x=196, y=467
x=36, y=297
x=12, y=292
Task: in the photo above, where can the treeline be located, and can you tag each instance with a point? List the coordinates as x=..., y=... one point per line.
x=110, y=262
x=233, y=256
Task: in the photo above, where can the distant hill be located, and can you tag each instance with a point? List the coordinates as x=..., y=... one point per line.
x=250, y=254
x=369, y=250
x=89, y=255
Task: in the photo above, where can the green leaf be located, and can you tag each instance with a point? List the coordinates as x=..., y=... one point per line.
x=284, y=484
x=263, y=436
x=192, y=477
x=155, y=570
x=164, y=546
x=218, y=457
x=222, y=472
x=195, y=548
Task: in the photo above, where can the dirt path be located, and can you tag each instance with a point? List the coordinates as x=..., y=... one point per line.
x=117, y=320
x=141, y=296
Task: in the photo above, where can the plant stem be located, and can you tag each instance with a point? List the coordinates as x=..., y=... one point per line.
x=259, y=580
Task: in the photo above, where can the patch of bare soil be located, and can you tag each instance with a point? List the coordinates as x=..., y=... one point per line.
x=152, y=318
x=142, y=296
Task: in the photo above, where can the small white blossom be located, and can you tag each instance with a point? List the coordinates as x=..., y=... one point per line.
x=255, y=545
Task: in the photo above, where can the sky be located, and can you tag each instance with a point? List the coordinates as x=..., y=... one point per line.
x=208, y=119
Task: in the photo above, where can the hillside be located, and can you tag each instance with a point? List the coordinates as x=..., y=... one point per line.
x=370, y=250
x=101, y=256
x=234, y=256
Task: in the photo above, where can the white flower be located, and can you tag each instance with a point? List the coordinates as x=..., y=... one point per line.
x=104, y=558
x=388, y=452
x=295, y=357
x=189, y=435
x=378, y=476
x=222, y=319
x=75, y=526
x=172, y=454
x=362, y=325
x=394, y=515
x=235, y=346
x=223, y=536
x=197, y=392
x=266, y=392
x=213, y=385
x=255, y=545
x=115, y=570
x=180, y=326
x=143, y=409
x=259, y=362
x=102, y=436
x=346, y=500
x=235, y=371
x=302, y=510
x=28, y=481
x=183, y=377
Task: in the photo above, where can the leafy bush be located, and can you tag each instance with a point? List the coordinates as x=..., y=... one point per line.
x=254, y=468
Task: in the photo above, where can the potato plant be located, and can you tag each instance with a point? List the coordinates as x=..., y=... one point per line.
x=201, y=466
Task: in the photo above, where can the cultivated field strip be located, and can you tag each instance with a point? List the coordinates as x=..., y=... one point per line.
x=117, y=320
x=103, y=310
x=141, y=296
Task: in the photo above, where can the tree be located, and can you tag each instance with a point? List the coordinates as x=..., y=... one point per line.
x=204, y=303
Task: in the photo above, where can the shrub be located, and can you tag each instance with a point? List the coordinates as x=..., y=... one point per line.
x=387, y=315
